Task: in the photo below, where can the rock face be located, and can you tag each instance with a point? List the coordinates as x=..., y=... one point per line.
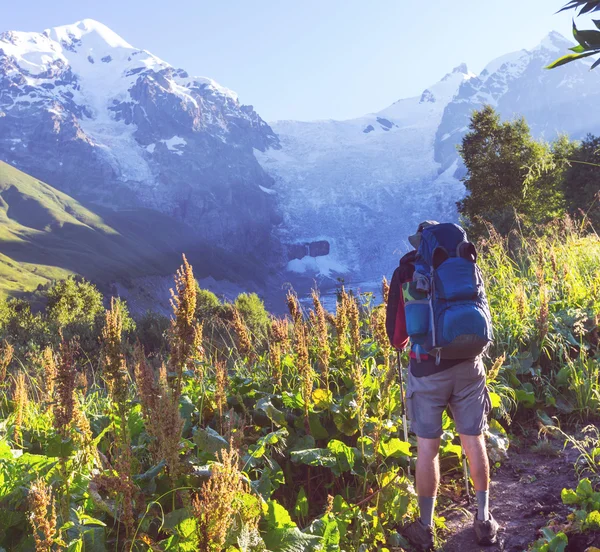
x=108, y=123
x=319, y=248
x=365, y=184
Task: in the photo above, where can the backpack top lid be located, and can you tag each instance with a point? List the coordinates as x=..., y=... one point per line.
x=446, y=235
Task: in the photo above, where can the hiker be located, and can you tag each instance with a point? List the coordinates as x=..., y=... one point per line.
x=437, y=301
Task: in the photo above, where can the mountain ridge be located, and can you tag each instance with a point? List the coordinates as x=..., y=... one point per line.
x=377, y=176
x=111, y=124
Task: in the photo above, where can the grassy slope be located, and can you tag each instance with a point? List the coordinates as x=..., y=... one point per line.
x=45, y=235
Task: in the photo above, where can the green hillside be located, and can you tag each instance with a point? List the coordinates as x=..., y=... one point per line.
x=45, y=234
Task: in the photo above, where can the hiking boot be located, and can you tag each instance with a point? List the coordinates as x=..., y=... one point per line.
x=419, y=535
x=486, y=531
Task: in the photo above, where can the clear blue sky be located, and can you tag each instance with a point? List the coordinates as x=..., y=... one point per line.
x=312, y=59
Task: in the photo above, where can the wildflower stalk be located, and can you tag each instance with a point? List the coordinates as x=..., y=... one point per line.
x=221, y=389
x=21, y=401
x=218, y=501
x=6, y=356
x=322, y=332
x=186, y=331
x=42, y=515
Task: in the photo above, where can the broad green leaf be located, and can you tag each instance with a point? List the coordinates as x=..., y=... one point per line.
x=525, y=398
x=394, y=448
x=301, y=507
x=592, y=521
x=290, y=539
x=208, y=440
x=316, y=428
x=322, y=398
x=275, y=415
x=345, y=456
x=569, y=496
x=151, y=473
x=292, y=400
x=314, y=457
x=174, y=518
x=584, y=489
x=84, y=519
x=495, y=400
x=277, y=516
x=5, y=452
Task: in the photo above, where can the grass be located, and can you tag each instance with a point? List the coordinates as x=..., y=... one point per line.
x=47, y=235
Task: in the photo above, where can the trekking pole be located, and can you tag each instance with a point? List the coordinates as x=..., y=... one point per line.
x=404, y=426
x=466, y=475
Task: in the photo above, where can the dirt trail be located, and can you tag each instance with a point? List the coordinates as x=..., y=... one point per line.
x=524, y=497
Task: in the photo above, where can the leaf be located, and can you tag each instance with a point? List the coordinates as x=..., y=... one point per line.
x=568, y=59
x=151, y=473
x=135, y=422
x=544, y=418
x=316, y=428
x=58, y=447
x=584, y=489
x=451, y=448
x=314, y=457
x=290, y=540
x=208, y=440
x=275, y=415
x=525, y=398
x=292, y=400
x=5, y=451
x=345, y=456
x=84, y=519
x=322, y=398
x=394, y=448
x=301, y=507
x=495, y=400
x=277, y=516
x=569, y=496
x=174, y=518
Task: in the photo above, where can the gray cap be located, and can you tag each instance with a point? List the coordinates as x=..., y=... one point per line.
x=415, y=239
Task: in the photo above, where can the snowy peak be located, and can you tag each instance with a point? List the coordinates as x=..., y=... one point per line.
x=461, y=69
x=554, y=42
x=88, y=33
x=79, y=99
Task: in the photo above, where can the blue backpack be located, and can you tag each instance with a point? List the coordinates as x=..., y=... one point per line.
x=450, y=316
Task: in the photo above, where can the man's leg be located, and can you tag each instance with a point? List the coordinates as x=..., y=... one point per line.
x=474, y=447
x=428, y=477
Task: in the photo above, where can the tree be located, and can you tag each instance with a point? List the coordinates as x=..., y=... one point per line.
x=74, y=301
x=588, y=40
x=511, y=178
x=581, y=185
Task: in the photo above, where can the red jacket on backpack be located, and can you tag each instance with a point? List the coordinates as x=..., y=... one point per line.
x=395, y=316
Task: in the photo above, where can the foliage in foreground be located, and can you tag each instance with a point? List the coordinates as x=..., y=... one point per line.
x=237, y=432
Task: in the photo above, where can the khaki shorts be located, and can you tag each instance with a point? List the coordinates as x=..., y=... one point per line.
x=462, y=388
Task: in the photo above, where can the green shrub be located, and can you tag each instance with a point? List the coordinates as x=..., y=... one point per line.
x=255, y=316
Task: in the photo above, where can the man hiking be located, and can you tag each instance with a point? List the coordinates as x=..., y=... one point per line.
x=437, y=301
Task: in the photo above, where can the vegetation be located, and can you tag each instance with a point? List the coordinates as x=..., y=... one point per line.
x=515, y=182
x=224, y=427
x=46, y=235
x=588, y=40
x=266, y=433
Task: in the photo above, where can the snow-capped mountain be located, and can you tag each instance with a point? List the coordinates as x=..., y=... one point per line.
x=85, y=111
x=115, y=126
x=365, y=184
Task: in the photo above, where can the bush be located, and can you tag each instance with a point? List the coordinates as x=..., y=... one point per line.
x=254, y=314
